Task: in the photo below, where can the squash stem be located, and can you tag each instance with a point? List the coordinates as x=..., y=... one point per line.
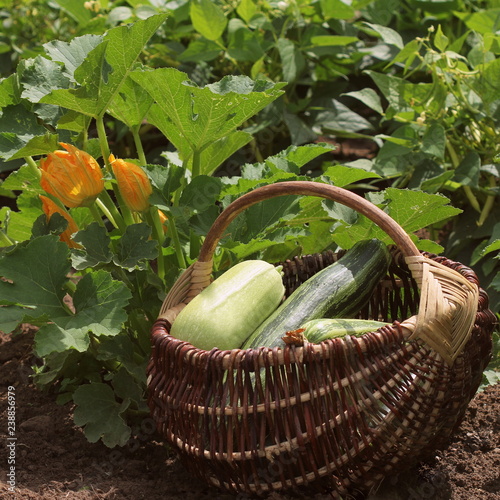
x=154, y=221
x=174, y=235
x=488, y=204
x=33, y=166
x=138, y=145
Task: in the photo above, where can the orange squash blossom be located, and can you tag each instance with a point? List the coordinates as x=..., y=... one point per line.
x=73, y=176
x=133, y=184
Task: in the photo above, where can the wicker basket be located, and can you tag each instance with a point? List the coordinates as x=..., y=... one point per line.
x=332, y=417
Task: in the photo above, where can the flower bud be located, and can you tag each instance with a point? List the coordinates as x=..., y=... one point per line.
x=133, y=184
x=73, y=176
x=49, y=208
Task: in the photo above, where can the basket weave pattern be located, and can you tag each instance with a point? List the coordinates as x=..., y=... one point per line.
x=333, y=417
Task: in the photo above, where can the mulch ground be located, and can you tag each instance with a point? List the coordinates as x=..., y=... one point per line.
x=53, y=460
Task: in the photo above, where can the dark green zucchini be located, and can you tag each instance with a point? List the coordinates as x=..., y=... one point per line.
x=337, y=291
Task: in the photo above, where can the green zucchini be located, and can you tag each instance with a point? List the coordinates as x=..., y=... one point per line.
x=317, y=330
x=225, y=313
x=339, y=290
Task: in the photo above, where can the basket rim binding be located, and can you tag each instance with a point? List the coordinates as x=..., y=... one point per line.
x=448, y=301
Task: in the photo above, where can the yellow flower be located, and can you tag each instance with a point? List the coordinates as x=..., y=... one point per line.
x=73, y=176
x=49, y=208
x=133, y=184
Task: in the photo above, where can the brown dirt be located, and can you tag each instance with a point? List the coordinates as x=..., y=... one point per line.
x=53, y=460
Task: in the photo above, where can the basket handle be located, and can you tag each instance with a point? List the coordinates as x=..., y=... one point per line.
x=310, y=188
x=448, y=301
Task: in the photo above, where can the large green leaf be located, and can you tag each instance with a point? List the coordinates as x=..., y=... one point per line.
x=18, y=126
x=53, y=338
x=96, y=241
x=292, y=60
x=73, y=53
x=21, y=221
x=99, y=303
x=135, y=247
x=486, y=85
x=434, y=141
x=165, y=181
x=332, y=115
x=130, y=104
x=122, y=349
x=336, y=9
x=219, y=151
x=262, y=218
x=368, y=97
x=208, y=18
x=389, y=36
x=404, y=96
x=468, y=172
x=483, y=21
x=244, y=44
x=101, y=415
x=201, y=193
x=9, y=91
x=26, y=180
x=246, y=9
x=194, y=117
x=412, y=210
x=37, y=274
x=298, y=156
x=40, y=76
x=106, y=68
x=76, y=10
x=341, y=175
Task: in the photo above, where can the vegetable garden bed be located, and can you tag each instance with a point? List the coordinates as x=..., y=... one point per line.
x=55, y=460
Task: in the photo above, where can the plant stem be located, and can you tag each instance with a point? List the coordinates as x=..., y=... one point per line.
x=106, y=212
x=154, y=221
x=256, y=151
x=95, y=213
x=103, y=140
x=174, y=235
x=196, y=166
x=111, y=211
x=467, y=190
x=33, y=166
x=455, y=162
x=69, y=285
x=488, y=204
x=126, y=214
x=5, y=241
x=138, y=145
x=472, y=198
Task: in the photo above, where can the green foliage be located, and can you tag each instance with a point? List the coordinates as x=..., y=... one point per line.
x=214, y=99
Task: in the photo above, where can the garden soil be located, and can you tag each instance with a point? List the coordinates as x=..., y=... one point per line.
x=54, y=461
